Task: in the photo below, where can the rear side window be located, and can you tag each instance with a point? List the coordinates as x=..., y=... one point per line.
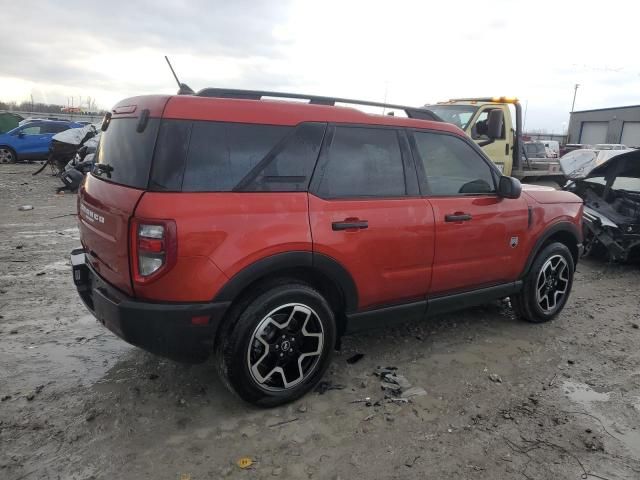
x=124, y=154
x=451, y=166
x=362, y=162
x=223, y=157
x=54, y=128
x=171, y=153
x=287, y=168
x=221, y=154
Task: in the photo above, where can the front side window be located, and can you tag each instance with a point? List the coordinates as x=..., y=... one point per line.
x=451, y=166
x=32, y=130
x=362, y=162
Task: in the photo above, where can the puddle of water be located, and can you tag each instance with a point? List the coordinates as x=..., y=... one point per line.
x=582, y=393
x=593, y=403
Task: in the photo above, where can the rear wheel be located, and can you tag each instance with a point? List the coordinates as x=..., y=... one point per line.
x=7, y=155
x=276, y=345
x=547, y=285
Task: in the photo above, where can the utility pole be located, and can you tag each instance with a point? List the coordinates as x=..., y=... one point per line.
x=573, y=104
x=575, y=91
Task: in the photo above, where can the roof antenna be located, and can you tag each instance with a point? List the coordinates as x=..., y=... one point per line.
x=183, y=88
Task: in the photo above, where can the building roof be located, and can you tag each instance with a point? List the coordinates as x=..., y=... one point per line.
x=603, y=109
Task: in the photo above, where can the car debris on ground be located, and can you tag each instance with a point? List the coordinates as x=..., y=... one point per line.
x=396, y=386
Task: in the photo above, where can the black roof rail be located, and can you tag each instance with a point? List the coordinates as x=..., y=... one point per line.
x=411, y=112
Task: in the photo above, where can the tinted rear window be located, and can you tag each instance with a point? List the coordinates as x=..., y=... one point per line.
x=221, y=154
x=362, y=162
x=126, y=153
x=222, y=157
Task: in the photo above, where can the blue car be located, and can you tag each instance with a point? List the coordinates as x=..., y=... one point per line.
x=31, y=141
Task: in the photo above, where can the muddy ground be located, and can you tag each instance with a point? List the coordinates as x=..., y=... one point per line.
x=78, y=403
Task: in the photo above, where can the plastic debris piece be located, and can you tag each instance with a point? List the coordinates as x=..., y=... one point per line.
x=24, y=208
x=244, y=462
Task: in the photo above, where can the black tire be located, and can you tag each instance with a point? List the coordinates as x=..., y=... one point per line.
x=7, y=155
x=242, y=354
x=526, y=304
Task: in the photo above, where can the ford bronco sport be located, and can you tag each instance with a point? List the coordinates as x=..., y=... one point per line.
x=261, y=230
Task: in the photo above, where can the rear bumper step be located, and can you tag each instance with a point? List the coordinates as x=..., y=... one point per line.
x=164, y=329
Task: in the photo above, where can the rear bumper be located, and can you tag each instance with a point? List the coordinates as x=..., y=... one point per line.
x=165, y=329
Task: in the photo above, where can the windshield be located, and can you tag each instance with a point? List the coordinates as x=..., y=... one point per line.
x=459, y=115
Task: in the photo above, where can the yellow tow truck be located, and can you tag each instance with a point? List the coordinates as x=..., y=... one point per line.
x=489, y=121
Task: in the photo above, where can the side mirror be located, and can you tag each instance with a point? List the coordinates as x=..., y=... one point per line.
x=105, y=122
x=495, y=121
x=509, y=187
x=20, y=134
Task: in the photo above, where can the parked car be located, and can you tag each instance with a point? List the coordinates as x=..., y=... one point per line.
x=262, y=231
x=31, y=140
x=611, y=193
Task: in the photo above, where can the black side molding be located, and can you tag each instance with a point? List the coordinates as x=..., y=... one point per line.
x=457, y=301
x=391, y=315
x=386, y=316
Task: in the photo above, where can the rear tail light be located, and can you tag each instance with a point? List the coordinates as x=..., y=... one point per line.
x=153, y=248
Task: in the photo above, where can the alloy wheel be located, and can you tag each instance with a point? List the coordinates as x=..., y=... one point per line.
x=285, y=347
x=6, y=156
x=552, y=283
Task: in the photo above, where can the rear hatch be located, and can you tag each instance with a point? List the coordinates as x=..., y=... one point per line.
x=108, y=199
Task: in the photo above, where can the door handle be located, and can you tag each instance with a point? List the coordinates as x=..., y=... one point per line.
x=354, y=224
x=457, y=217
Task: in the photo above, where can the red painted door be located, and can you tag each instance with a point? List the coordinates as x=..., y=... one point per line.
x=481, y=248
x=389, y=260
x=480, y=237
x=365, y=211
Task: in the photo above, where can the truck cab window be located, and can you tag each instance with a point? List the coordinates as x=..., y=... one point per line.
x=479, y=129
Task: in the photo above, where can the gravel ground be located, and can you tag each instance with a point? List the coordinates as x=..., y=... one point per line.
x=563, y=400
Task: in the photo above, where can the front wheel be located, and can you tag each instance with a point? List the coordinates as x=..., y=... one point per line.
x=276, y=345
x=7, y=155
x=547, y=285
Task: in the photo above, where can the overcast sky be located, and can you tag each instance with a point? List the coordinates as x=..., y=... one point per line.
x=417, y=52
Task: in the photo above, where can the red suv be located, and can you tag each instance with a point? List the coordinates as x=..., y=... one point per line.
x=262, y=230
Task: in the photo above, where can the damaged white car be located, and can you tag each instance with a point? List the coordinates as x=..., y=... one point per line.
x=611, y=193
